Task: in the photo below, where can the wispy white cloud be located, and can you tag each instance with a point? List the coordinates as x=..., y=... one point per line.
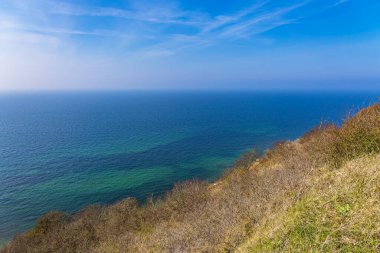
x=243, y=24
x=223, y=20
x=261, y=23
x=29, y=38
x=339, y=2
x=150, y=27
x=159, y=14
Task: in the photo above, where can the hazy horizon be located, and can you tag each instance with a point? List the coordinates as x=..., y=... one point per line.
x=364, y=89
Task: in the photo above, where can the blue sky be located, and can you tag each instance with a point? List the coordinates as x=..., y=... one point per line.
x=189, y=44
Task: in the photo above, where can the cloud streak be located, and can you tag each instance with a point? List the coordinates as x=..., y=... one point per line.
x=244, y=24
x=157, y=24
x=339, y=2
x=140, y=30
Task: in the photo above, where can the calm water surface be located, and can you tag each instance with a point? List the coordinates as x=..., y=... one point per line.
x=65, y=151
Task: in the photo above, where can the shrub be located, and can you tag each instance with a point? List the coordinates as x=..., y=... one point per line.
x=247, y=159
x=50, y=222
x=358, y=135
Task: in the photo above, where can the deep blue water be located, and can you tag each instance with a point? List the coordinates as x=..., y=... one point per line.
x=67, y=150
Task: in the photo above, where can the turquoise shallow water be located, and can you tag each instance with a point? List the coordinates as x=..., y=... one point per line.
x=67, y=150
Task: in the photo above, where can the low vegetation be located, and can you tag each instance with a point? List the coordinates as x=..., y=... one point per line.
x=319, y=193
x=338, y=213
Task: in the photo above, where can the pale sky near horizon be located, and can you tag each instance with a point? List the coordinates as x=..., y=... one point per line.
x=189, y=44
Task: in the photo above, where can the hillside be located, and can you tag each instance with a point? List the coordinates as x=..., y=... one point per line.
x=339, y=212
x=320, y=193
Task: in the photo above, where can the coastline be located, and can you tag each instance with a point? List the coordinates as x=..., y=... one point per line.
x=257, y=188
x=83, y=148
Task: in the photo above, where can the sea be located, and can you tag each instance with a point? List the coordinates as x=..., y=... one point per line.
x=66, y=150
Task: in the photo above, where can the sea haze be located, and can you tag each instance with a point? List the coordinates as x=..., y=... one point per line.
x=68, y=150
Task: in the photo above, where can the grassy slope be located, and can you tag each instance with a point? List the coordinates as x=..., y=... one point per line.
x=319, y=193
x=339, y=212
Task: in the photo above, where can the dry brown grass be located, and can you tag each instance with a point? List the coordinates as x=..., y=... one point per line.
x=198, y=217
x=338, y=213
x=359, y=135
